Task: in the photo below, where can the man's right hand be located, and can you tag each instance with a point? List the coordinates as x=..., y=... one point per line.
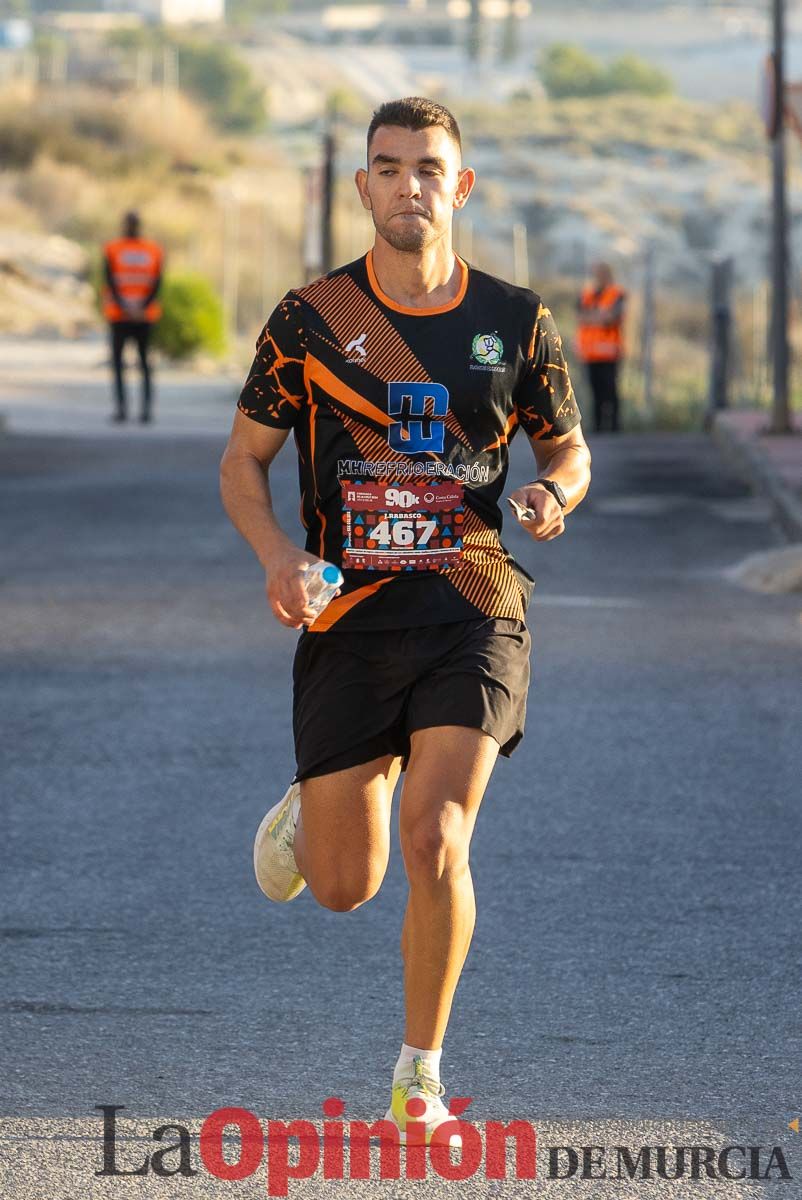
x=286, y=590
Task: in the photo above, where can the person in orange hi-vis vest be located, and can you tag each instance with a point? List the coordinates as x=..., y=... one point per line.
x=133, y=275
x=600, y=343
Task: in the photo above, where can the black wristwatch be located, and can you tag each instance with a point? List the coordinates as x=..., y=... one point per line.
x=555, y=489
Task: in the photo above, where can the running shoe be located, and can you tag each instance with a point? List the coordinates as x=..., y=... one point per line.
x=424, y=1087
x=273, y=860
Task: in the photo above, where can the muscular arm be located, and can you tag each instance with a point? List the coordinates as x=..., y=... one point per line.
x=548, y=413
x=566, y=460
x=245, y=492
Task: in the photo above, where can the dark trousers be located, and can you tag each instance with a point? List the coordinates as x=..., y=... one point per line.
x=603, y=380
x=140, y=331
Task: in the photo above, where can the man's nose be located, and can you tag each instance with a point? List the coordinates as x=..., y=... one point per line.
x=408, y=185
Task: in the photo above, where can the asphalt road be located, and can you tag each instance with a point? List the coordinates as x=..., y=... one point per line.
x=636, y=961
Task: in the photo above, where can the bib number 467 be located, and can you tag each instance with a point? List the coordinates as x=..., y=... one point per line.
x=403, y=533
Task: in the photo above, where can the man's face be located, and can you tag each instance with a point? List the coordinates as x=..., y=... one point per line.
x=413, y=183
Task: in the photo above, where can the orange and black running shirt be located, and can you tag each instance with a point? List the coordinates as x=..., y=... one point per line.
x=402, y=419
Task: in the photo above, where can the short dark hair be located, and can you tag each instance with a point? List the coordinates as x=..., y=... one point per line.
x=415, y=112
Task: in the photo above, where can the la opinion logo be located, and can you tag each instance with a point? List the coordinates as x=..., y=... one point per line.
x=252, y=1146
x=294, y=1149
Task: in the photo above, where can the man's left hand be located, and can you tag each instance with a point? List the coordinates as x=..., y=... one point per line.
x=548, y=521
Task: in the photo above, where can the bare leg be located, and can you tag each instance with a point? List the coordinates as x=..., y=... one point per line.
x=448, y=771
x=342, y=842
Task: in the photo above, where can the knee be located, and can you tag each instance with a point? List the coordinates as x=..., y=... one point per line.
x=433, y=850
x=343, y=893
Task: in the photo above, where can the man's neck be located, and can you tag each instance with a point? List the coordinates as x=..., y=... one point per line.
x=426, y=280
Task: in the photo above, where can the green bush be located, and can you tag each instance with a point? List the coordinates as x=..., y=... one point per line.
x=570, y=71
x=218, y=77
x=631, y=74
x=567, y=70
x=192, y=317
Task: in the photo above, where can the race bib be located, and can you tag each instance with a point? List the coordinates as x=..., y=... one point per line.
x=402, y=526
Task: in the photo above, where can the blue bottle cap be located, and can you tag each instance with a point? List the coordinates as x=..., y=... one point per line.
x=331, y=575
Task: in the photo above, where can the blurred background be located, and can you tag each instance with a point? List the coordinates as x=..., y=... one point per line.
x=631, y=132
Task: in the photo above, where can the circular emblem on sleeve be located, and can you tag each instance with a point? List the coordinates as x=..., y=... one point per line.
x=487, y=349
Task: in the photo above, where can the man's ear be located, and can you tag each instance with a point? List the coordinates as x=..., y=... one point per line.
x=361, y=181
x=467, y=178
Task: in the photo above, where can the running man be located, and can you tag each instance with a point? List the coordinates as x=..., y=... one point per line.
x=133, y=275
x=403, y=376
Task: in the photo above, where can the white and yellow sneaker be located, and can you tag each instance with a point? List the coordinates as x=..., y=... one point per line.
x=273, y=860
x=425, y=1088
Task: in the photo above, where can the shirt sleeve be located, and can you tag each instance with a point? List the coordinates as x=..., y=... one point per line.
x=274, y=392
x=544, y=399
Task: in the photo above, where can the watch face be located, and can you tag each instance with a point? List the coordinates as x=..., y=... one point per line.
x=556, y=491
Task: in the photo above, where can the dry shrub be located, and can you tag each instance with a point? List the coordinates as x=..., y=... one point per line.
x=14, y=213
x=172, y=124
x=60, y=193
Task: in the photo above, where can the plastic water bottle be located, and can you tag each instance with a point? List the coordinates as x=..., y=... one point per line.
x=322, y=580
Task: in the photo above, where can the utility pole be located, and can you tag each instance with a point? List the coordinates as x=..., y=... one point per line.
x=780, y=415
x=721, y=313
x=327, y=202
x=474, y=34
x=520, y=255
x=647, y=329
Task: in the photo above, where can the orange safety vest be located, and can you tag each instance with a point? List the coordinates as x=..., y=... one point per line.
x=135, y=265
x=599, y=343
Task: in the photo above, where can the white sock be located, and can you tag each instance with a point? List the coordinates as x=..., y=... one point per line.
x=430, y=1058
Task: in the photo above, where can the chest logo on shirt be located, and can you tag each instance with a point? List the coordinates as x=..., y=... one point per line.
x=486, y=351
x=417, y=407
x=356, y=350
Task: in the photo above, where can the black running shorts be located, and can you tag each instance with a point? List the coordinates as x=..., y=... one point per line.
x=359, y=696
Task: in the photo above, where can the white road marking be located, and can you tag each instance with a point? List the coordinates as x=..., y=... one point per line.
x=586, y=601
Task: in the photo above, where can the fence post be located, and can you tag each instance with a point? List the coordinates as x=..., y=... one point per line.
x=327, y=200
x=520, y=251
x=313, y=224
x=721, y=328
x=647, y=330
x=231, y=214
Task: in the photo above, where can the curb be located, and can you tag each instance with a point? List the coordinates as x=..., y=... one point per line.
x=754, y=467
